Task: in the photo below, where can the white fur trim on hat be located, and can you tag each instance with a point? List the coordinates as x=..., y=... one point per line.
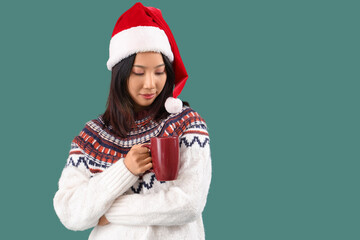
x=173, y=105
x=138, y=39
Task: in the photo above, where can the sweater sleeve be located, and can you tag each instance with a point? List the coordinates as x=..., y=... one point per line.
x=81, y=199
x=185, y=199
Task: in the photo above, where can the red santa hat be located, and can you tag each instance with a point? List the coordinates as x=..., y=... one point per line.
x=143, y=29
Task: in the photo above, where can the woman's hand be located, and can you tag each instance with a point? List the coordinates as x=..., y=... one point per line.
x=138, y=159
x=103, y=221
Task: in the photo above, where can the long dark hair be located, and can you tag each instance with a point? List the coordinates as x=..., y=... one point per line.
x=119, y=113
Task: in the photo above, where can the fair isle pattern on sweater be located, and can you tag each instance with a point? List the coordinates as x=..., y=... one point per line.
x=96, y=182
x=96, y=148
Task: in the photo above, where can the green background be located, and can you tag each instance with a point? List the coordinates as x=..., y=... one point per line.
x=276, y=81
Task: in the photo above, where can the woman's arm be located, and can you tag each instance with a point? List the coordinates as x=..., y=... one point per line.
x=183, y=202
x=82, y=200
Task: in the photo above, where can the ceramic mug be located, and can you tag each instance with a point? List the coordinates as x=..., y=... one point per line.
x=165, y=154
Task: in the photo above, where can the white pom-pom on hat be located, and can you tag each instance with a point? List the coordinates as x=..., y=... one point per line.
x=173, y=105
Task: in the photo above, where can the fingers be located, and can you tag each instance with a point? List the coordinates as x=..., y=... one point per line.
x=144, y=162
x=103, y=221
x=138, y=159
x=145, y=148
x=147, y=160
x=145, y=151
x=148, y=166
x=141, y=149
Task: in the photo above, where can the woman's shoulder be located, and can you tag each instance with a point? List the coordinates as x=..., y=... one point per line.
x=94, y=129
x=97, y=140
x=184, y=120
x=188, y=115
x=95, y=126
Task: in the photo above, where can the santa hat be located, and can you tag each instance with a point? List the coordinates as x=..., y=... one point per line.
x=143, y=29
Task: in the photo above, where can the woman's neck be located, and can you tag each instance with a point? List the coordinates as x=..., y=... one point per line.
x=141, y=114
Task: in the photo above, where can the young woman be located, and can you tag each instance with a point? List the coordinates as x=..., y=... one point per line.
x=106, y=183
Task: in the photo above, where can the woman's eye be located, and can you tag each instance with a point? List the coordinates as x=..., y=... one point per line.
x=160, y=73
x=138, y=73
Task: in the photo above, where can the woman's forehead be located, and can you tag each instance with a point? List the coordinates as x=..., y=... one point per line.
x=148, y=59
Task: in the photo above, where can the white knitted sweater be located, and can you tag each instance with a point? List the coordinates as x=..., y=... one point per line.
x=95, y=182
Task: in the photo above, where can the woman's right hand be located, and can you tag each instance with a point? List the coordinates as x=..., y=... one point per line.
x=138, y=159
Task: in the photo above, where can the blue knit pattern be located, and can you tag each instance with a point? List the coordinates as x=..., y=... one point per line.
x=144, y=184
x=195, y=139
x=77, y=162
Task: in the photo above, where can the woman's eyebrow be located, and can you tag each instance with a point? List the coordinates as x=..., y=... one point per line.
x=141, y=66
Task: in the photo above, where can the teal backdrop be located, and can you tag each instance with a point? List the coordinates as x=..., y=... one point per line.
x=276, y=81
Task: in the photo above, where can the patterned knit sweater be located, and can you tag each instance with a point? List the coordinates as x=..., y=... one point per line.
x=95, y=182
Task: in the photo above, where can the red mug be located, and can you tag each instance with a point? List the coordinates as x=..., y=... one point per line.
x=165, y=156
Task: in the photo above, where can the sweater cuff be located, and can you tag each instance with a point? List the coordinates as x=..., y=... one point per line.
x=117, y=179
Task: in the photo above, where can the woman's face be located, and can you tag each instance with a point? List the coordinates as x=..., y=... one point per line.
x=147, y=79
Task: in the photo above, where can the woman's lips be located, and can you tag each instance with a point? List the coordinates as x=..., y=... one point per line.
x=147, y=96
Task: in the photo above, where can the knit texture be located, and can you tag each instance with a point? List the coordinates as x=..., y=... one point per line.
x=95, y=182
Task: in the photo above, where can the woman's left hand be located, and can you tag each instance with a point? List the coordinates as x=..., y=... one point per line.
x=103, y=221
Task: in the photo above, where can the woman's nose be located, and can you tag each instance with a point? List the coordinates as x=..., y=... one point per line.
x=149, y=81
